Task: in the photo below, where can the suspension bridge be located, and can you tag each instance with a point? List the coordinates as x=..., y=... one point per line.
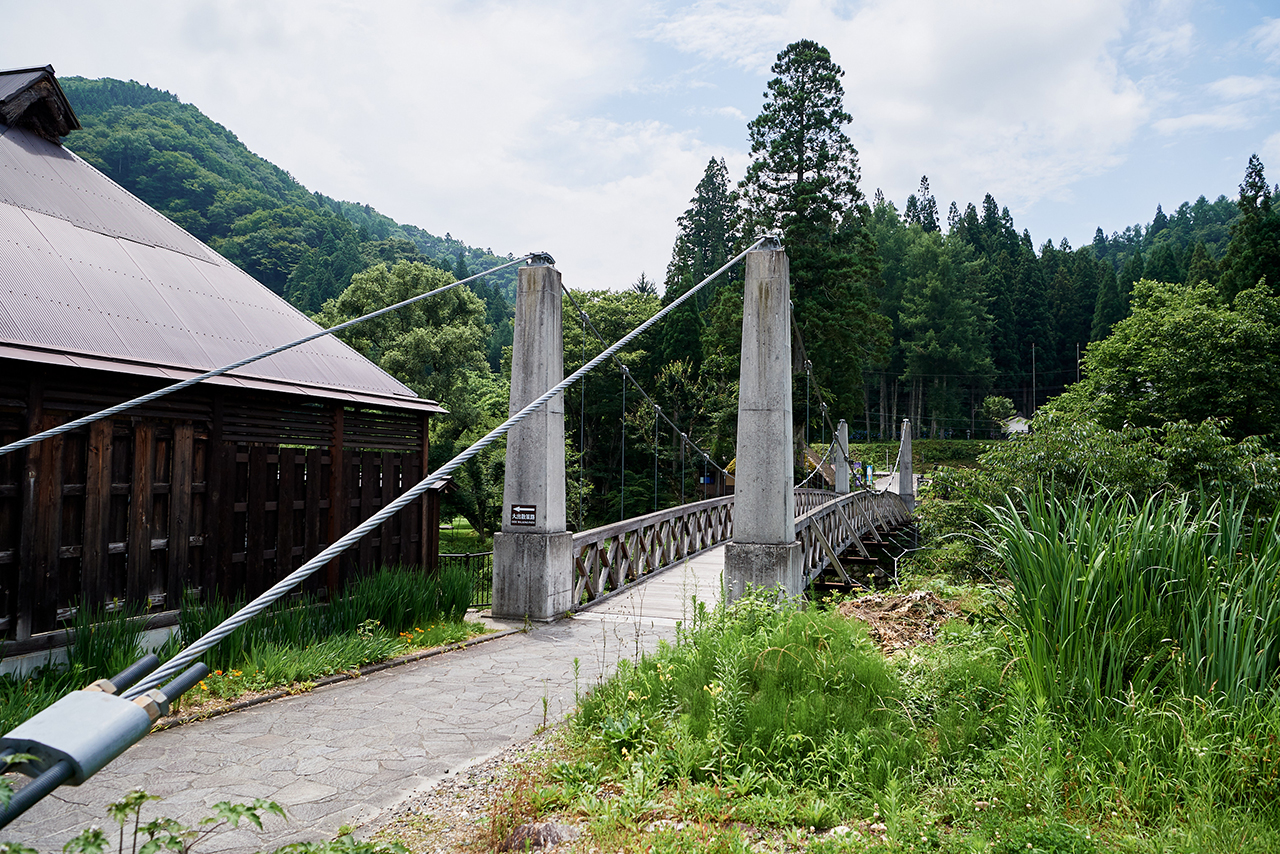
x=346, y=752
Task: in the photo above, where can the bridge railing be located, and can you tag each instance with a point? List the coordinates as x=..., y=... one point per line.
x=608, y=558
x=826, y=530
x=809, y=499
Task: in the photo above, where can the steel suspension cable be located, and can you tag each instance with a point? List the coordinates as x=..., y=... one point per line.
x=818, y=467
x=582, y=432
x=655, y=465
x=217, y=372
x=795, y=328
x=622, y=488
x=211, y=638
x=657, y=409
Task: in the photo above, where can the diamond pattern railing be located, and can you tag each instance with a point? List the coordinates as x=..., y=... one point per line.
x=610, y=557
x=826, y=530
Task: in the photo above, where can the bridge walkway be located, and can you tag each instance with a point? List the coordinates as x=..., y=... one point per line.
x=343, y=753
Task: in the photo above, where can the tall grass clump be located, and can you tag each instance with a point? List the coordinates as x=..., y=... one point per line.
x=1109, y=596
x=101, y=642
x=765, y=703
x=396, y=599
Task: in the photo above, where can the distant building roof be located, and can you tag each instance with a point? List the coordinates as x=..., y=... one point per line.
x=93, y=277
x=1016, y=424
x=31, y=98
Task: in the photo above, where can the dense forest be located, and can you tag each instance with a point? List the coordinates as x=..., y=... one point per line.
x=901, y=311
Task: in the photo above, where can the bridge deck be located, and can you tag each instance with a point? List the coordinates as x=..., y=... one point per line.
x=667, y=595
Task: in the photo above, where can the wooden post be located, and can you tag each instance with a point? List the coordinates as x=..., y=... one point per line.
x=37, y=557
x=255, y=521
x=97, y=502
x=221, y=509
x=431, y=528
x=311, y=505
x=337, y=496
x=180, y=513
x=386, y=531
x=428, y=526
x=140, y=510
x=288, y=469
x=367, y=486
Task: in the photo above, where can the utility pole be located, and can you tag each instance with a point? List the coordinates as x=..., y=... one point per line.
x=1033, y=378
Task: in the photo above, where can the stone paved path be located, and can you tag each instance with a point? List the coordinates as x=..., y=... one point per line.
x=343, y=753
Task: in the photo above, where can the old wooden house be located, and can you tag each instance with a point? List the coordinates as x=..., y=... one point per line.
x=224, y=487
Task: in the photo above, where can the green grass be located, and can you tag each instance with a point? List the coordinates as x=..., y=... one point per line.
x=461, y=538
x=296, y=641
x=1123, y=702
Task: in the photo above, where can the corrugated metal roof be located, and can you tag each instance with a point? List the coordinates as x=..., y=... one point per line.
x=19, y=79
x=89, y=270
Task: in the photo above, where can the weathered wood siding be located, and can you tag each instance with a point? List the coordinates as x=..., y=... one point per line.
x=215, y=491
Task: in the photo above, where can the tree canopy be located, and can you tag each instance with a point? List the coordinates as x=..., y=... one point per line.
x=1186, y=354
x=803, y=182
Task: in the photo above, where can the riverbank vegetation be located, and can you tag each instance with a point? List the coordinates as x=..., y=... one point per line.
x=1112, y=690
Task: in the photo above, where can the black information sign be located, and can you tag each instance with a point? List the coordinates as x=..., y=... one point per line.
x=524, y=514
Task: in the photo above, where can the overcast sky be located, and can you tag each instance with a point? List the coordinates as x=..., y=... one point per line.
x=581, y=128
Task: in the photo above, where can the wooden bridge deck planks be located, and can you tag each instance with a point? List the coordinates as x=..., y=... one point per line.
x=667, y=595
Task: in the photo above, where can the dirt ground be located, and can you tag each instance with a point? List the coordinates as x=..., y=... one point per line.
x=899, y=621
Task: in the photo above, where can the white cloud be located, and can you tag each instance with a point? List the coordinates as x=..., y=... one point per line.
x=1266, y=37
x=1163, y=32
x=1239, y=87
x=1229, y=117
x=581, y=127
x=477, y=118
x=1013, y=98
x=1270, y=151
x=732, y=113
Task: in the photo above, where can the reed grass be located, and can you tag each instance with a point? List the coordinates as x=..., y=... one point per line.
x=101, y=642
x=1109, y=596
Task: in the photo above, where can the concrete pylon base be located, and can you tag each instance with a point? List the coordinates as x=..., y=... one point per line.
x=762, y=565
x=532, y=575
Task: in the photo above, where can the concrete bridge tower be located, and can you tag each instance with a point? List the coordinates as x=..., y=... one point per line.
x=764, y=551
x=533, y=554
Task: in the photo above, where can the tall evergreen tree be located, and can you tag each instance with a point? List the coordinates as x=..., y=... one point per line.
x=928, y=207
x=1201, y=267
x=702, y=246
x=1254, y=251
x=1107, y=310
x=911, y=211
x=1134, y=270
x=945, y=326
x=1162, y=265
x=1158, y=223
x=803, y=179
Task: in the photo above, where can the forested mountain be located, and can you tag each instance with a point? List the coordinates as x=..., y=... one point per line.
x=303, y=245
